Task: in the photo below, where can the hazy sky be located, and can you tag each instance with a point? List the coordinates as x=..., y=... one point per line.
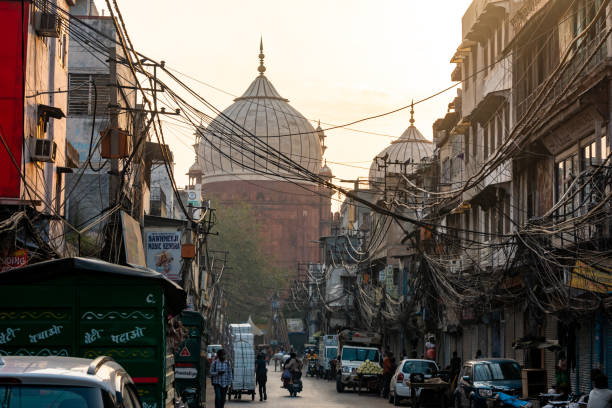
x=335, y=60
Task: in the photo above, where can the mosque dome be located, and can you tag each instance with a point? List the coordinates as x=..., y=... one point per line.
x=267, y=116
x=325, y=171
x=402, y=154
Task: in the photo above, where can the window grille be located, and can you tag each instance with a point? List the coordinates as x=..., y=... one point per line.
x=81, y=95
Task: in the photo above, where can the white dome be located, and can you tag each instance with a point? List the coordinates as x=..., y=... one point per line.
x=410, y=149
x=267, y=116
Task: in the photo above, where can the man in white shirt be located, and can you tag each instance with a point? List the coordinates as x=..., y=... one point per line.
x=601, y=395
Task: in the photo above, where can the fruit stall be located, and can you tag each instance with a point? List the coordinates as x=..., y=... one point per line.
x=369, y=375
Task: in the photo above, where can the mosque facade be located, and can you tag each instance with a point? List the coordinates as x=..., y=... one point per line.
x=236, y=162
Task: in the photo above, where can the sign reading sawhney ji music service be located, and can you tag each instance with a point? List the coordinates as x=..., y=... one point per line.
x=163, y=248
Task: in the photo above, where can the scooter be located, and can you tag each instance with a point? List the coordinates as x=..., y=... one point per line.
x=312, y=368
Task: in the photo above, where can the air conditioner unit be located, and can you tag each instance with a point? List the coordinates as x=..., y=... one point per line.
x=47, y=24
x=42, y=150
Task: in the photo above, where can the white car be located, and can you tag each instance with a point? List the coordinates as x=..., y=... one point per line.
x=400, y=382
x=65, y=382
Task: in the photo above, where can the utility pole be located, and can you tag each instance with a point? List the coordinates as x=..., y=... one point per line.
x=114, y=181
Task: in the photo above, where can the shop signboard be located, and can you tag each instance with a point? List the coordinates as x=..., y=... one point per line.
x=163, y=249
x=295, y=326
x=592, y=279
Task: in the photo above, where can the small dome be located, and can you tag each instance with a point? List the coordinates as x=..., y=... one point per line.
x=195, y=169
x=410, y=148
x=325, y=171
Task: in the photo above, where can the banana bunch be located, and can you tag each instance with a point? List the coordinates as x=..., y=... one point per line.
x=369, y=368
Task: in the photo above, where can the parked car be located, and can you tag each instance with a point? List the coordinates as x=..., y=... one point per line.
x=400, y=382
x=484, y=378
x=65, y=382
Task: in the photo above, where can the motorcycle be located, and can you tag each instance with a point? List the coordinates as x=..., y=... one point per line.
x=293, y=385
x=312, y=368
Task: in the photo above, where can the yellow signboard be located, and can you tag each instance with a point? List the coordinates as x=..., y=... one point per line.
x=586, y=277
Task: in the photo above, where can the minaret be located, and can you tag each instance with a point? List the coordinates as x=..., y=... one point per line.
x=322, y=137
x=195, y=171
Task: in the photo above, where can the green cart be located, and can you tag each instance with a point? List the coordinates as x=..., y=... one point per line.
x=88, y=308
x=190, y=374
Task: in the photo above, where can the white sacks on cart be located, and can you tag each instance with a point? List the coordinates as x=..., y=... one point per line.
x=243, y=357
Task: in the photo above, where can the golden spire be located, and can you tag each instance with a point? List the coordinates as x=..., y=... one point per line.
x=412, y=113
x=261, y=68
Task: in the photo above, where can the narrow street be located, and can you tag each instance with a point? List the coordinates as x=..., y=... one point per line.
x=317, y=394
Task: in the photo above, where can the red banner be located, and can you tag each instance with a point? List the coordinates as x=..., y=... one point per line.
x=13, y=49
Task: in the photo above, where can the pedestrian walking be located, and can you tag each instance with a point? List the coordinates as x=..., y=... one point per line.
x=261, y=376
x=455, y=367
x=561, y=374
x=221, y=374
x=387, y=373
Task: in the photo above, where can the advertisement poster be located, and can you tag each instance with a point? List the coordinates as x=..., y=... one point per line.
x=17, y=259
x=163, y=249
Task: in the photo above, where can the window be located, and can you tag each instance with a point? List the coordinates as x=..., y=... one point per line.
x=466, y=72
x=605, y=145
x=446, y=171
x=485, y=57
x=492, y=136
x=565, y=174
x=506, y=120
x=486, y=225
x=466, y=143
x=49, y=396
x=503, y=370
x=474, y=130
x=359, y=354
x=506, y=31
x=475, y=223
x=492, y=41
x=508, y=216
x=81, y=94
x=500, y=130
x=467, y=226
x=485, y=138
x=499, y=40
x=588, y=156
x=467, y=371
x=474, y=64
x=418, y=366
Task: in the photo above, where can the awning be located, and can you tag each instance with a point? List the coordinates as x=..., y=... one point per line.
x=542, y=344
x=256, y=330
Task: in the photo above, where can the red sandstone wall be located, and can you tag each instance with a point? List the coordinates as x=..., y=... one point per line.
x=290, y=217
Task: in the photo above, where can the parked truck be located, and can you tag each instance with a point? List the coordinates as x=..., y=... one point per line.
x=297, y=334
x=328, y=350
x=77, y=307
x=355, y=347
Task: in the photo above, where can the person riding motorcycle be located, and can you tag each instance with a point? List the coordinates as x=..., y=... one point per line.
x=292, y=373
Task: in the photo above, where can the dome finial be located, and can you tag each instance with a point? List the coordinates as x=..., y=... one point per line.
x=261, y=68
x=412, y=113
